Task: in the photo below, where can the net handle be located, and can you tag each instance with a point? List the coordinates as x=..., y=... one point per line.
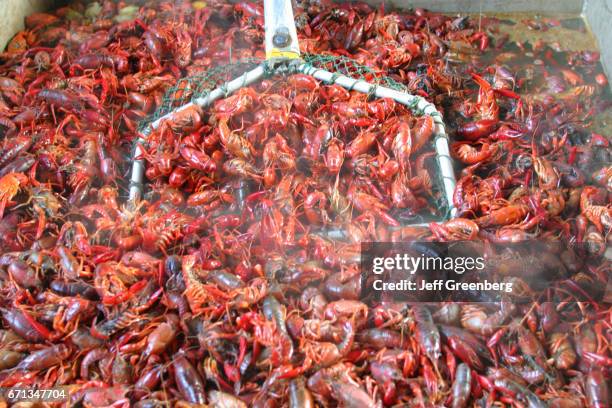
x=280, y=33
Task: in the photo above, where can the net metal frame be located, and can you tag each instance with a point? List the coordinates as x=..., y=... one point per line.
x=198, y=89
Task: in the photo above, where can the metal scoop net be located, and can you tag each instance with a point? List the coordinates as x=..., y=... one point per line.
x=284, y=58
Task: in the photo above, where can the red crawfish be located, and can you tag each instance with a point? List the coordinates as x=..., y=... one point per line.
x=334, y=156
x=182, y=48
x=62, y=99
x=473, y=131
x=468, y=154
x=299, y=395
x=26, y=325
x=428, y=335
x=510, y=214
x=197, y=159
x=186, y=119
x=45, y=358
x=460, y=390
x=596, y=389
x=161, y=337
x=360, y=144
x=188, y=380
x=14, y=147
x=10, y=185
x=402, y=146
x=235, y=143
x=562, y=351
x=9, y=358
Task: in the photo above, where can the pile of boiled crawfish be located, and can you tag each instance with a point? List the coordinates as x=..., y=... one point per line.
x=235, y=281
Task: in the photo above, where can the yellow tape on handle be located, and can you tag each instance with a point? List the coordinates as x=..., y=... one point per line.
x=276, y=53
